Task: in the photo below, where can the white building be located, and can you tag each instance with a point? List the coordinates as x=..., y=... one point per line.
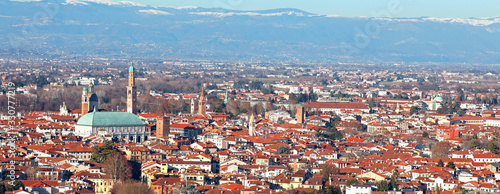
x=117, y=124
x=492, y=121
x=359, y=189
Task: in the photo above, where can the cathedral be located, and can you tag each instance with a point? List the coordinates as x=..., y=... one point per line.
x=118, y=125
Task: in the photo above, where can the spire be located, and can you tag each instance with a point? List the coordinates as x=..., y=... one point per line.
x=202, y=95
x=131, y=68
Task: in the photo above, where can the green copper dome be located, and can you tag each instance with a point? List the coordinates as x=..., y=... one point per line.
x=131, y=68
x=437, y=98
x=102, y=119
x=85, y=89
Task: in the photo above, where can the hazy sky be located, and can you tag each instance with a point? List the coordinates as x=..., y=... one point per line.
x=410, y=8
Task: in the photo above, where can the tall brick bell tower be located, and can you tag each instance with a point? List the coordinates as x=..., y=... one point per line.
x=131, y=91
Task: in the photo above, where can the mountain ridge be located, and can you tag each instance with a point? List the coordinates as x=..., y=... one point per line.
x=108, y=28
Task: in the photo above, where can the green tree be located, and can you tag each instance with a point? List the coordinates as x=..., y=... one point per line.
x=288, y=169
x=475, y=144
x=256, y=85
x=440, y=163
x=312, y=97
x=283, y=150
x=268, y=90
x=206, y=151
x=331, y=133
x=382, y=186
x=220, y=106
x=394, y=179
x=100, y=153
x=15, y=186
x=425, y=134
x=239, y=85
x=413, y=110
x=450, y=165
x=443, y=109
x=331, y=190
x=493, y=148
x=350, y=182
x=372, y=103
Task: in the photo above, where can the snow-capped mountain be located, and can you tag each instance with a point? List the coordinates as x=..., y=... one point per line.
x=123, y=28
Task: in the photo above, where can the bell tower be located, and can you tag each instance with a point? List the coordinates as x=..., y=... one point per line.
x=131, y=91
x=202, y=103
x=85, y=101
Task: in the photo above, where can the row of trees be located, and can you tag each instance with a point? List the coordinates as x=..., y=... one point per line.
x=450, y=109
x=331, y=133
x=297, y=98
x=448, y=165
x=473, y=142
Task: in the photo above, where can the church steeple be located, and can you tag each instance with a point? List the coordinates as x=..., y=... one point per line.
x=202, y=103
x=131, y=92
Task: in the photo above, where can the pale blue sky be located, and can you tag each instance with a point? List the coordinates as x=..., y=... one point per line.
x=354, y=8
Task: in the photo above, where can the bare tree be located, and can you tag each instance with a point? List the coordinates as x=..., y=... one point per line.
x=117, y=167
x=441, y=149
x=328, y=170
